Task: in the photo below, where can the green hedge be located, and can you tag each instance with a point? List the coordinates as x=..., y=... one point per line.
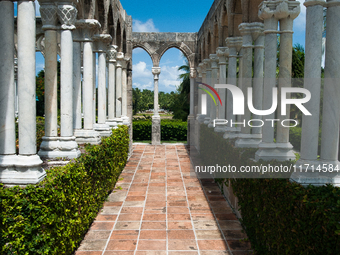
x=171, y=130
x=53, y=216
x=280, y=217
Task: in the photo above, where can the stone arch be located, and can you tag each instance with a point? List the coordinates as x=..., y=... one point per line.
x=224, y=24
x=216, y=37
x=183, y=48
x=101, y=16
x=124, y=41
x=111, y=26
x=118, y=36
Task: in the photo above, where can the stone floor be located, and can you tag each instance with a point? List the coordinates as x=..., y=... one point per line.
x=158, y=209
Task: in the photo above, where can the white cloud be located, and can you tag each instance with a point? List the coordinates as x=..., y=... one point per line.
x=169, y=77
x=148, y=26
x=140, y=70
x=148, y=86
x=300, y=21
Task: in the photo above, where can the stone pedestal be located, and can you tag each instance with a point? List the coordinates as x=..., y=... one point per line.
x=102, y=41
x=156, y=119
x=87, y=134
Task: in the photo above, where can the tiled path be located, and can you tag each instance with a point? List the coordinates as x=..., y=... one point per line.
x=159, y=209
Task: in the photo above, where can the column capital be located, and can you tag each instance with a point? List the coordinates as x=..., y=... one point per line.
x=213, y=61
x=308, y=3
x=193, y=73
x=203, y=68
x=279, y=9
x=112, y=53
x=222, y=53
x=234, y=44
x=156, y=71
x=125, y=62
x=102, y=42
x=49, y=17
x=254, y=29
x=67, y=14
x=120, y=59
x=207, y=64
x=87, y=28
x=199, y=70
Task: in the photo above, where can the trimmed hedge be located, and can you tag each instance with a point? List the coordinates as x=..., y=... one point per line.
x=171, y=130
x=280, y=217
x=53, y=216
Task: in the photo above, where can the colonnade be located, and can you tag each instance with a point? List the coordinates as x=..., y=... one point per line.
x=79, y=43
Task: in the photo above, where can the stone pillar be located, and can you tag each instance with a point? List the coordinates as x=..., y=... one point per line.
x=312, y=82
x=111, y=55
x=49, y=147
x=214, y=80
x=202, y=74
x=208, y=81
x=234, y=44
x=67, y=14
x=102, y=41
x=250, y=33
x=28, y=163
x=331, y=95
x=156, y=119
x=125, y=118
x=120, y=59
x=94, y=98
x=77, y=112
x=88, y=134
x=191, y=117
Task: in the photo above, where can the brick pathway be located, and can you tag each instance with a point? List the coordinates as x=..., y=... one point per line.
x=158, y=209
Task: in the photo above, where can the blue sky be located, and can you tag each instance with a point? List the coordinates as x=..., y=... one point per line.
x=171, y=16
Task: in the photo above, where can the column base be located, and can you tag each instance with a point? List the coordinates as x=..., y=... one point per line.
x=200, y=118
x=59, y=147
x=21, y=170
x=156, y=130
x=248, y=140
x=278, y=151
x=232, y=132
x=306, y=173
x=103, y=129
x=220, y=128
x=87, y=136
x=126, y=120
x=207, y=120
x=112, y=123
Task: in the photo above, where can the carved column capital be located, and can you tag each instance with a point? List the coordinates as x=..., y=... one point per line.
x=199, y=70
x=214, y=61
x=87, y=28
x=67, y=14
x=279, y=9
x=193, y=73
x=102, y=42
x=234, y=44
x=207, y=64
x=254, y=29
x=222, y=53
x=156, y=71
x=112, y=53
x=120, y=59
x=125, y=62
x=49, y=16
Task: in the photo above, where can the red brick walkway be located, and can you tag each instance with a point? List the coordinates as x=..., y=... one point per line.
x=158, y=209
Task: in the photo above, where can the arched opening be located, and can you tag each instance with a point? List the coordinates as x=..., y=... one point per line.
x=119, y=37
x=101, y=17
x=110, y=22
x=124, y=41
x=224, y=24
x=208, y=46
x=203, y=50
x=216, y=39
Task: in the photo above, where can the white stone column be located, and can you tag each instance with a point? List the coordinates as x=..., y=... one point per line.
x=8, y=156
x=102, y=41
x=67, y=14
x=156, y=119
x=331, y=95
x=119, y=66
x=94, y=96
x=234, y=44
x=191, y=117
x=112, y=54
x=77, y=63
x=250, y=32
x=202, y=74
x=312, y=82
x=88, y=134
x=214, y=80
x=49, y=147
x=28, y=162
x=222, y=53
x=125, y=118
x=208, y=79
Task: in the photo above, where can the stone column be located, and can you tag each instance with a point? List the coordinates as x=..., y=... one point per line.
x=102, y=41
x=94, y=96
x=191, y=117
x=214, y=80
x=202, y=74
x=208, y=81
x=28, y=163
x=111, y=55
x=119, y=66
x=67, y=14
x=331, y=95
x=234, y=44
x=250, y=33
x=8, y=156
x=125, y=118
x=77, y=118
x=156, y=119
x=88, y=134
x=49, y=147
x=312, y=82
